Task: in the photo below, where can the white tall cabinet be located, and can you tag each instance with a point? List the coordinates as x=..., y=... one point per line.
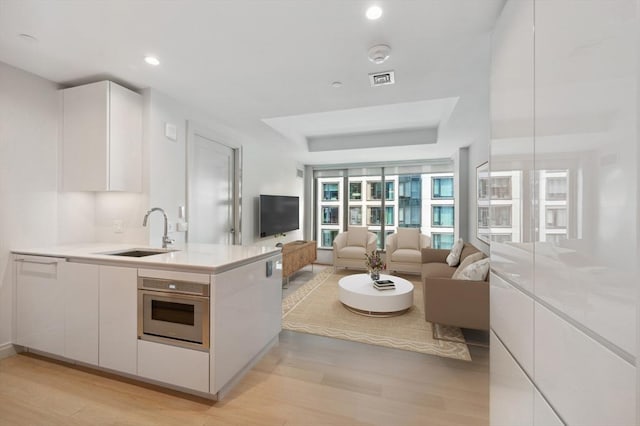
x=564, y=290
x=101, y=138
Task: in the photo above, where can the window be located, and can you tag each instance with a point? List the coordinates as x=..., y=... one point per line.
x=441, y=188
x=483, y=188
x=355, y=215
x=409, y=186
x=330, y=191
x=389, y=191
x=555, y=238
x=378, y=239
x=355, y=191
x=556, y=217
x=330, y=215
x=442, y=216
x=501, y=216
x=374, y=215
x=410, y=200
x=556, y=188
x=501, y=188
x=381, y=200
x=375, y=191
x=328, y=235
x=388, y=216
x=502, y=238
x=483, y=217
x=442, y=240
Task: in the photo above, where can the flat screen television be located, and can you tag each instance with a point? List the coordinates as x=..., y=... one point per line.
x=278, y=214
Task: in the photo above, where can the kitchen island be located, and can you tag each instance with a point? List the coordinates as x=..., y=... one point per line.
x=193, y=318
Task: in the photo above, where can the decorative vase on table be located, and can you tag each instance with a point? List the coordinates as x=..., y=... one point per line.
x=374, y=263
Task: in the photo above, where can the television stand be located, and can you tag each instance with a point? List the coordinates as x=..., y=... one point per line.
x=295, y=256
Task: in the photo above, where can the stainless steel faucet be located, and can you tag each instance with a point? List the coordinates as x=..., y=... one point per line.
x=165, y=238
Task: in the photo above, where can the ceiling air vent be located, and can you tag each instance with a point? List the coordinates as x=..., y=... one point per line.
x=382, y=78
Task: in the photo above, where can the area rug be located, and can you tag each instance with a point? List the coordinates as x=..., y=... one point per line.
x=315, y=309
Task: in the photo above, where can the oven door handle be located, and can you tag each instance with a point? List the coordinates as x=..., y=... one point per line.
x=173, y=295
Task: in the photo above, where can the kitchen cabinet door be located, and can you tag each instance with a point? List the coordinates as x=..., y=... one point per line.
x=102, y=138
x=80, y=284
x=39, y=304
x=246, y=316
x=118, y=319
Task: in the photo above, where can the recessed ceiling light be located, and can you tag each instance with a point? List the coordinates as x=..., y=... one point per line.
x=374, y=12
x=152, y=60
x=336, y=84
x=28, y=37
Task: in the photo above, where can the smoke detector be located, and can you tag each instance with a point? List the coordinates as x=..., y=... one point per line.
x=379, y=53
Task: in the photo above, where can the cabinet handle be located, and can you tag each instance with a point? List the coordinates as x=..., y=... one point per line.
x=39, y=262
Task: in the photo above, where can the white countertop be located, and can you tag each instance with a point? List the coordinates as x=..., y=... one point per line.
x=211, y=258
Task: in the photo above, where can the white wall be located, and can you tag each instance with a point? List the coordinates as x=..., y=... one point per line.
x=264, y=171
x=28, y=173
x=271, y=172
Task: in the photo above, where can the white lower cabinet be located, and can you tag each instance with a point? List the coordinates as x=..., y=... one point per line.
x=118, y=319
x=176, y=366
x=588, y=384
x=543, y=414
x=512, y=319
x=80, y=284
x=39, y=304
x=246, y=307
x=89, y=313
x=511, y=391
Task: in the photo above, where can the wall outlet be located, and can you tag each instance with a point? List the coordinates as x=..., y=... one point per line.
x=182, y=226
x=118, y=226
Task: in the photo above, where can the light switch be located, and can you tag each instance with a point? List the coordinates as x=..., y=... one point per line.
x=170, y=131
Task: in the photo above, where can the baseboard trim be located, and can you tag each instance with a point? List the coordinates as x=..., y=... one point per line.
x=8, y=349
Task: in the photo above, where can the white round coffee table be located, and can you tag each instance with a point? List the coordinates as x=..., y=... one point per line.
x=358, y=295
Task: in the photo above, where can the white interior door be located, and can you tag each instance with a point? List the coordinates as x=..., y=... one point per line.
x=210, y=183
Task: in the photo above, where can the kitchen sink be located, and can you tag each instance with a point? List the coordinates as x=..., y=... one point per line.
x=137, y=252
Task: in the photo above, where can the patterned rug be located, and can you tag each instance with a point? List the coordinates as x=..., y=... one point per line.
x=315, y=309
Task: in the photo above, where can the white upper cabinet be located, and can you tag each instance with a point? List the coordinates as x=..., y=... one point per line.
x=102, y=138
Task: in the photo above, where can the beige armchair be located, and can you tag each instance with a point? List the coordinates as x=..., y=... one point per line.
x=404, y=250
x=349, y=247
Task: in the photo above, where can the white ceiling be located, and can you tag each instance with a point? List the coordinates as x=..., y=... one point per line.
x=247, y=63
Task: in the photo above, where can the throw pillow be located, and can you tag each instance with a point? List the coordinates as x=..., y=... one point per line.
x=477, y=271
x=357, y=236
x=454, y=255
x=408, y=238
x=466, y=262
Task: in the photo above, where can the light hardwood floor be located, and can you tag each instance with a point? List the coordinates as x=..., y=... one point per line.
x=305, y=380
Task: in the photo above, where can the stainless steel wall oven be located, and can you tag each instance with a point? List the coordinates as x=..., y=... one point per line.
x=173, y=312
